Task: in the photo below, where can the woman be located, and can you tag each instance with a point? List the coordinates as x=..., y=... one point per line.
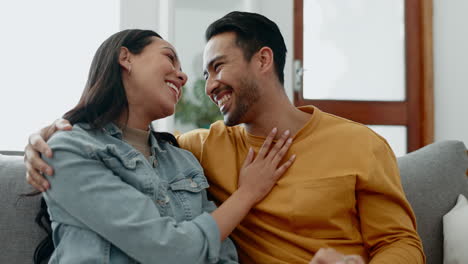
x=123, y=193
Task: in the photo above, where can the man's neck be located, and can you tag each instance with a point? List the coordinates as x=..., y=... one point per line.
x=276, y=112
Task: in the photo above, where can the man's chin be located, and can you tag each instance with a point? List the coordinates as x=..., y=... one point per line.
x=229, y=121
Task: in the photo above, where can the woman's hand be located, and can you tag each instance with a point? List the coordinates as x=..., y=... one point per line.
x=35, y=166
x=256, y=178
x=331, y=256
x=259, y=174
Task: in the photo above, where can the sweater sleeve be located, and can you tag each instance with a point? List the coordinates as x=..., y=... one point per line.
x=388, y=224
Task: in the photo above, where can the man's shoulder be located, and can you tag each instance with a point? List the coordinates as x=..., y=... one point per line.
x=197, y=140
x=352, y=129
x=199, y=136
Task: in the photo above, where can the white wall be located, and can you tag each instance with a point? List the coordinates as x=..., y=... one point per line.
x=142, y=15
x=451, y=69
x=47, y=48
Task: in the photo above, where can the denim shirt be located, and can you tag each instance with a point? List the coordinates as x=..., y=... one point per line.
x=110, y=204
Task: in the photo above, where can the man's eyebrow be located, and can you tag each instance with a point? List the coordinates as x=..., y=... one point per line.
x=211, y=62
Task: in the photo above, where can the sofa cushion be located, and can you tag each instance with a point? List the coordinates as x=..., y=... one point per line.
x=456, y=233
x=18, y=232
x=432, y=178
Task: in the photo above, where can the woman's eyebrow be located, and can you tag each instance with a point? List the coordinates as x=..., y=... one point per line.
x=173, y=51
x=175, y=54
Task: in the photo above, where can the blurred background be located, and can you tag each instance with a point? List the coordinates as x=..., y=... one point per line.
x=399, y=66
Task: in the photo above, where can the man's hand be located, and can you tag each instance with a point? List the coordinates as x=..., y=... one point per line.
x=331, y=256
x=35, y=166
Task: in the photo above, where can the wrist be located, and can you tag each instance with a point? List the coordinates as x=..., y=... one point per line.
x=246, y=196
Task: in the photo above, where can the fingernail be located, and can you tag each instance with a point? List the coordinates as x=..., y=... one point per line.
x=49, y=153
x=274, y=130
x=46, y=186
x=293, y=156
x=289, y=140
x=286, y=132
x=49, y=172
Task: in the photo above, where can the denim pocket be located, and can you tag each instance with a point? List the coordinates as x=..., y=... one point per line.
x=188, y=193
x=116, y=158
x=189, y=185
x=130, y=166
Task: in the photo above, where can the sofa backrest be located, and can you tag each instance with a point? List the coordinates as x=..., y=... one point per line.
x=19, y=234
x=432, y=178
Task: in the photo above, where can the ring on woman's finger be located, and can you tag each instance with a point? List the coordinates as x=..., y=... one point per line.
x=350, y=260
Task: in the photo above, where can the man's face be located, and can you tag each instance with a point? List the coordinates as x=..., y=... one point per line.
x=229, y=79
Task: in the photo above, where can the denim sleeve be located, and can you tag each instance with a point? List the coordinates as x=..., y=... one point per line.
x=228, y=252
x=93, y=196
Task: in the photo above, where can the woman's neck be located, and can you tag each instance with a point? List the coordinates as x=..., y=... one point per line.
x=133, y=121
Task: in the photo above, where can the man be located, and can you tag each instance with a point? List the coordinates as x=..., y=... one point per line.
x=343, y=190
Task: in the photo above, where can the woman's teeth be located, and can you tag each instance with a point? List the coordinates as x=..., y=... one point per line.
x=171, y=85
x=223, y=100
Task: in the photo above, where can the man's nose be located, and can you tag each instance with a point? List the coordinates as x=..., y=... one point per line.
x=211, y=86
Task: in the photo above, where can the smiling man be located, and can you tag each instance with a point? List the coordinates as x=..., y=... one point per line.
x=343, y=190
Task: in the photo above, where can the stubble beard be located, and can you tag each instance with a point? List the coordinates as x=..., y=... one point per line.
x=247, y=96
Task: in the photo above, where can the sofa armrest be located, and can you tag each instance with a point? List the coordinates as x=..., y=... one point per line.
x=432, y=178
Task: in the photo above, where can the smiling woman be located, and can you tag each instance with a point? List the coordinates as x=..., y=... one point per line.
x=152, y=81
x=45, y=63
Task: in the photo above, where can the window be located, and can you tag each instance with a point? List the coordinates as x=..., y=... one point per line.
x=47, y=48
x=369, y=61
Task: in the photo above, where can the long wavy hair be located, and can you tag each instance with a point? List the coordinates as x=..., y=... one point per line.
x=103, y=100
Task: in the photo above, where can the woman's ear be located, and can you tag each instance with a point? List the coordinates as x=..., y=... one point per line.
x=125, y=59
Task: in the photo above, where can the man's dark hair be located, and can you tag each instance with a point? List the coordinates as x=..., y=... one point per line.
x=253, y=31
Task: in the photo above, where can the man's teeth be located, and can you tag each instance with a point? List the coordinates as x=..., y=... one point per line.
x=171, y=85
x=223, y=100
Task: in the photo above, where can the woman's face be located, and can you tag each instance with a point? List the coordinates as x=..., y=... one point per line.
x=154, y=83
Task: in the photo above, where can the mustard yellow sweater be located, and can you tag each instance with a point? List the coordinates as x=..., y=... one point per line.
x=343, y=191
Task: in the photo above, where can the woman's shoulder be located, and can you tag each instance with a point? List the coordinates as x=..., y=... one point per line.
x=80, y=134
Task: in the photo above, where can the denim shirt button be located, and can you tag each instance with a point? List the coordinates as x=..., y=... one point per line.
x=165, y=201
x=194, y=184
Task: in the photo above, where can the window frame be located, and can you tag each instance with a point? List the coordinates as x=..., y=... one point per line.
x=416, y=112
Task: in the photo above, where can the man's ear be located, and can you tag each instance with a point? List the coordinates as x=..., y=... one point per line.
x=265, y=59
x=125, y=59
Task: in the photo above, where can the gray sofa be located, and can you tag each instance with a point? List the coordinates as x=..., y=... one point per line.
x=432, y=178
